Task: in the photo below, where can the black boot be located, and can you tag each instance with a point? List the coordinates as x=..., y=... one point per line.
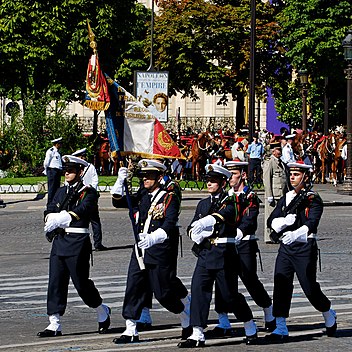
x=331, y=331
x=251, y=339
x=49, y=333
x=104, y=326
x=143, y=326
x=276, y=338
x=270, y=326
x=186, y=332
x=124, y=339
x=191, y=344
x=218, y=332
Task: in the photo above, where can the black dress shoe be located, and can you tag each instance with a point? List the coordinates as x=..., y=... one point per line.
x=331, y=331
x=104, y=325
x=186, y=332
x=219, y=332
x=276, y=338
x=251, y=339
x=100, y=248
x=191, y=344
x=143, y=326
x=123, y=339
x=270, y=326
x=49, y=333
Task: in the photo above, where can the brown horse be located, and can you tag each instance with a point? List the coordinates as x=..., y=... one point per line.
x=325, y=149
x=199, y=152
x=337, y=169
x=297, y=145
x=226, y=148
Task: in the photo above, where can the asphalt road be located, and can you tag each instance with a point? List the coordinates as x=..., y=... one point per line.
x=24, y=254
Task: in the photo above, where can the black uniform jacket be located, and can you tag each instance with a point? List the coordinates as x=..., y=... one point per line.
x=220, y=255
x=164, y=215
x=247, y=210
x=81, y=206
x=308, y=213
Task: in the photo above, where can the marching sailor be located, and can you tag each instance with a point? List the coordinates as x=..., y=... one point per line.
x=247, y=205
x=298, y=251
x=156, y=217
x=213, y=229
x=66, y=220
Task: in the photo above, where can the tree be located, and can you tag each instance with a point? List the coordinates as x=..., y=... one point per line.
x=44, y=50
x=312, y=32
x=205, y=44
x=44, y=44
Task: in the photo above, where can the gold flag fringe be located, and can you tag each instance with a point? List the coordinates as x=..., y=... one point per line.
x=96, y=105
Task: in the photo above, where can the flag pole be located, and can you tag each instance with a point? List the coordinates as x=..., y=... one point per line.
x=138, y=251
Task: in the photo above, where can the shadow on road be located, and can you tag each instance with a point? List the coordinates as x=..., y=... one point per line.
x=39, y=196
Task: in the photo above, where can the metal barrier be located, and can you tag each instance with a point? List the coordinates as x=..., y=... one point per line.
x=183, y=123
x=188, y=185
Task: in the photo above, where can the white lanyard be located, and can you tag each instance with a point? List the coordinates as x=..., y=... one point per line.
x=150, y=211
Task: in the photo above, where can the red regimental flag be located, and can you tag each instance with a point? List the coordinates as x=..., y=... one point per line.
x=97, y=97
x=163, y=143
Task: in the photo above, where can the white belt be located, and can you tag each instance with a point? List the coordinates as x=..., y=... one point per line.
x=312, y=235
x=218, y=240
x=250, y=237
x=76, y=230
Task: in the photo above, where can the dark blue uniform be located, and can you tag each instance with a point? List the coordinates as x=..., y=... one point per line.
x=298, y=257
x=159, y=276
x=247, y=210
x=217, y=263
x=170, y=186
x=70, y=253
x=54, y=178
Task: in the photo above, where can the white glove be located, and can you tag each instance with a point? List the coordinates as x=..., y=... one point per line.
x=55, y=220
x=299, y=235
x=270, y=200
x=150, y=239
x=290, y=219
x=205, y=223
x=279, y=224
x=198, y=238
x=50, y=223
x=64, y=219
x=239, y=236
x=118, y=187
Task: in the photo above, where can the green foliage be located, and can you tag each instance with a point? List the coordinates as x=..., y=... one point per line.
x=312, y=32
x=26, y=138
x=205, y=44
x=45, y=44
x=43, y=62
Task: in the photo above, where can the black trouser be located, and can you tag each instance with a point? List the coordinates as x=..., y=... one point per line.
x=60, y=271
x=96, y=227
x=305, y=267
x=247, y=252
x=202, y=289
x=255, y=166
x=157, y=279
x=54, y=178
x=175, y=282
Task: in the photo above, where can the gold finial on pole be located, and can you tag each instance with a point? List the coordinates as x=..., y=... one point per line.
x=93, y=44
